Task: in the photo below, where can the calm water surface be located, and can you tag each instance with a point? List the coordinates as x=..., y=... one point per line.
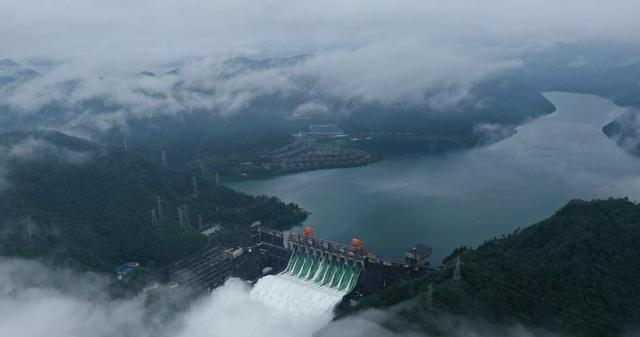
x=467, y=197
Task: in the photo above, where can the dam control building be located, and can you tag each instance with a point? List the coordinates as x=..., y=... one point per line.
x=262, y=251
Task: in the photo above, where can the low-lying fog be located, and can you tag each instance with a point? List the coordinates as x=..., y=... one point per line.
x=36, y=300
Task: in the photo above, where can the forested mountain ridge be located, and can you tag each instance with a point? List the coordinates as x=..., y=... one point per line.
x=71, y=201
x=491, y=112
x=189, y=118
x=625, y=131
x=605, y=68
x=575, y=273
x=12, y=72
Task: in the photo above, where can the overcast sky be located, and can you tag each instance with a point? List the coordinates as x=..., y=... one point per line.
x=168, y=30
x=369, y=50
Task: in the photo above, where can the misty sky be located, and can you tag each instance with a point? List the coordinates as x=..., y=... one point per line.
x=373, y=51
x=162, y=31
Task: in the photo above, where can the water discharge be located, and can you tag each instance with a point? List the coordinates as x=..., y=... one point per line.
x=312, y=284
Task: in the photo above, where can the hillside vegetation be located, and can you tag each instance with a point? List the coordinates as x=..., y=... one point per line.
x=203, y=133
x=605, y=68
x=71, y=201
x=625, y=131
x=575, y=273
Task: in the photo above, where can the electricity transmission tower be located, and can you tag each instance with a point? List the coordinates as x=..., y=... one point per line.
x=159, y=207
x=194, y=187
x=154, y=217
x=430, y=296
x=163, y=158
x=457, y=276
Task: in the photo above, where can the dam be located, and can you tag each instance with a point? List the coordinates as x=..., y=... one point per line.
x=314, y=281
x=299, y=271
x=331, y=271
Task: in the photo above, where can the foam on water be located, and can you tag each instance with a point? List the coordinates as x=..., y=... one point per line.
x=292, y=294
x=310, y=285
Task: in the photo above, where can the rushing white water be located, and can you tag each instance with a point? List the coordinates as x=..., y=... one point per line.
x=310, y=285
x=286, y=293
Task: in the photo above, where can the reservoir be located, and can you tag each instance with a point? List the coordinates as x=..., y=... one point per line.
x=464, y=198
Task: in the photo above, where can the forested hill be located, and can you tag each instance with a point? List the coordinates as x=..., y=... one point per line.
x=605, y=68
x=66, y=199
x=575, y=273
x=625, y=131
x=497, y=101
x=200, y=123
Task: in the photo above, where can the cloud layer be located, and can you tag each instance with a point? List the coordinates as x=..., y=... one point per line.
x=37, y=300
x=369, y=51
x=156, y=30
x=36, y=149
